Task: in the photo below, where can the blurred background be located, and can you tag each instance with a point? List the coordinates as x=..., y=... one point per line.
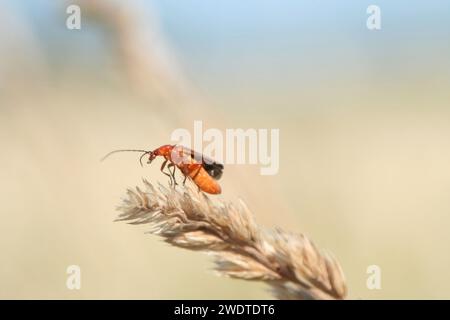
x=364, y=121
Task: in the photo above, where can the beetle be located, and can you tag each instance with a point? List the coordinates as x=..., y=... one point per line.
x=202, y=170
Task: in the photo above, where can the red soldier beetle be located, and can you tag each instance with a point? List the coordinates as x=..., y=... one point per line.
x=203, y=171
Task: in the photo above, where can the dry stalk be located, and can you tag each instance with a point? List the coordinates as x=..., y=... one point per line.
x=289, y=263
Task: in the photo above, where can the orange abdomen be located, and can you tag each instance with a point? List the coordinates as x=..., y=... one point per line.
x=204, y=181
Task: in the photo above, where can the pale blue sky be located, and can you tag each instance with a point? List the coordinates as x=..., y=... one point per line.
x=227, y=44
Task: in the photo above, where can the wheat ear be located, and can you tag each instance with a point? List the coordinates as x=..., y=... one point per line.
x=289, y=263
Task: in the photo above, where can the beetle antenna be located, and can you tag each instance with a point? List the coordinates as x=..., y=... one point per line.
x=140, y=159
x=125, y=150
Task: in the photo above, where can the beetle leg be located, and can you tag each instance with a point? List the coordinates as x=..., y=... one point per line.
x=172, y=173
x=162, y=170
